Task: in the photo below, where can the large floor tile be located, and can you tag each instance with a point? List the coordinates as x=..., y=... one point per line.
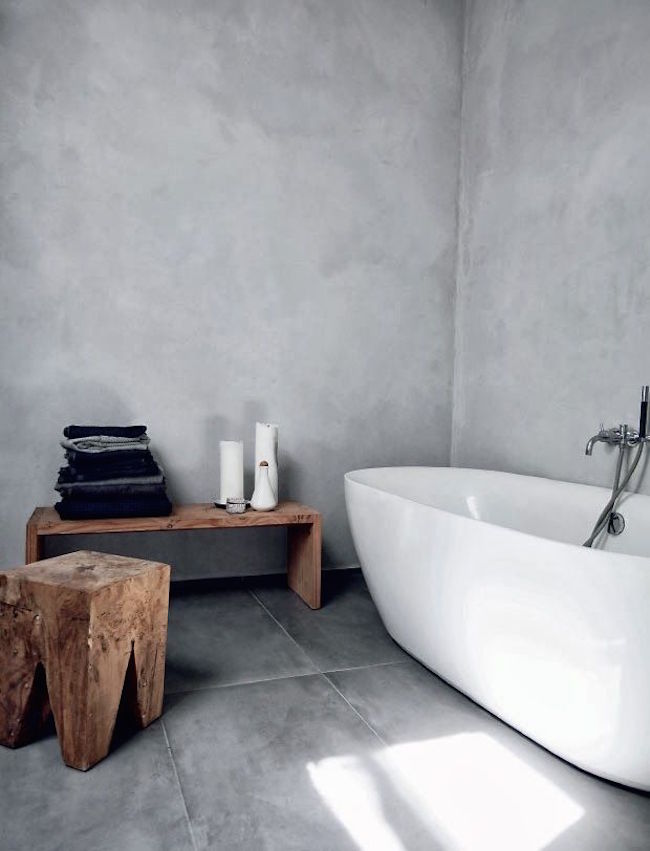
x=224, y=637
x=286, y=765
x=346, y=633
x=483, y=783
x=130, y=801
x=407, y=702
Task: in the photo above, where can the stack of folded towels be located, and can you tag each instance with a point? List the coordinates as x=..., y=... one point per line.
x=110, y=473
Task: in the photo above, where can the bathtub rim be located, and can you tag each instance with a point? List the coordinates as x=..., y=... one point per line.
x=599, y=553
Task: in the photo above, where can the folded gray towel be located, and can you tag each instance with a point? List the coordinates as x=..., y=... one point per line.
x=105, y=443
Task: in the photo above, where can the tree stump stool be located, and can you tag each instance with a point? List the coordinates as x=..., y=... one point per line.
x=75, y=632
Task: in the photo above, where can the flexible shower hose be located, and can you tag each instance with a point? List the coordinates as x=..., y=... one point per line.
x=607, y=510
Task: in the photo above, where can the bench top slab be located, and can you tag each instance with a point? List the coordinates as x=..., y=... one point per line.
x=83, y=570
x=206, y=515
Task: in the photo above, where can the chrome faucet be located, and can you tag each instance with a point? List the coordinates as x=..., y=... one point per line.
x=624, y=438
x=621, y=436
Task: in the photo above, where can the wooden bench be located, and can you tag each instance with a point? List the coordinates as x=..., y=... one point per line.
x=76, y=632
x=303, y=534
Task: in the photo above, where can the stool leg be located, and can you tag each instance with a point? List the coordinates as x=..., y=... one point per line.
x=85, y=679
x=85, y=718
x=150, y=668
x=118, y=646
x=150, y=655
x=24, y=706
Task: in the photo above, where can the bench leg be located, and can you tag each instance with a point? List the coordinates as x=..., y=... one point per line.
x=33, y=544
x=304, y=561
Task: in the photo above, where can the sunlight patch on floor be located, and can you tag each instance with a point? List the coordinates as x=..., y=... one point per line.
x=352, y=794
x=465, y=791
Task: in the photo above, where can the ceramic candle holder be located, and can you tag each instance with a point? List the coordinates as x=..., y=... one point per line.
x=231, y=473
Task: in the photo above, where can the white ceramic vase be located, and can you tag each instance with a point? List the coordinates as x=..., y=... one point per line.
x=266, y=449
x=264, y=498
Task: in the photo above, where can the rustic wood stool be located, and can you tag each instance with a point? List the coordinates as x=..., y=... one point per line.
x=75, y=632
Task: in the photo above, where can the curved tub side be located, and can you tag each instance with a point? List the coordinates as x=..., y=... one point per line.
x=548, y=637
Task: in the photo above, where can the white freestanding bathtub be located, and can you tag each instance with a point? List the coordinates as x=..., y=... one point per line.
x=481, y=577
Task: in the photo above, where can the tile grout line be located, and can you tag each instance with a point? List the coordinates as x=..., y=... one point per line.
x=180, y=786
x=363, y=667
x=302, y=649
x=354, y=709
x=237, y=683
x=284, y=630
x=321, y=673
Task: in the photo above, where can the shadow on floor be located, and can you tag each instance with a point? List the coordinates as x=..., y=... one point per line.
x=334, y=582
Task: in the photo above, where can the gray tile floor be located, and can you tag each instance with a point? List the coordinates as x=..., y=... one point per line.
x=291, y=729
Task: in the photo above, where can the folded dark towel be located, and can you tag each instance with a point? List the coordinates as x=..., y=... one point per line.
x=91, y=459
x=78, y=509
x=73, y=431
x=104, y=460
x=68, y=479
x=71, y=475
x=137, y=459
x=92, y=491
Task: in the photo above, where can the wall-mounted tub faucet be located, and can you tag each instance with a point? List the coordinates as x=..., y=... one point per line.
x=624, y=438
x=614, y=437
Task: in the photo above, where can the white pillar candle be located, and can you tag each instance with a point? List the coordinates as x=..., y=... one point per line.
x=266, y=449
x=231, y=482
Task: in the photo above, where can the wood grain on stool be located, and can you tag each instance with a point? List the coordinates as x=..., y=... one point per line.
x=80, y=618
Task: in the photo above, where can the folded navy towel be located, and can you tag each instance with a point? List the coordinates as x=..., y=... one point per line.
x=143, y=486
x=108, y=460
x=73, y=431
x=78, y=472
x=79, y=509
x=91, y=492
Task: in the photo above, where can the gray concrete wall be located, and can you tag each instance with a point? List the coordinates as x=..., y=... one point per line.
x=221, y=212
x=553, y=320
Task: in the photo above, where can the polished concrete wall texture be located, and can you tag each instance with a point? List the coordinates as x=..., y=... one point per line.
x=553, y=311
x=222, y=212
x=327, y=215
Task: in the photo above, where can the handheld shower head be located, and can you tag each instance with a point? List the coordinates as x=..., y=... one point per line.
x=643, y=418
